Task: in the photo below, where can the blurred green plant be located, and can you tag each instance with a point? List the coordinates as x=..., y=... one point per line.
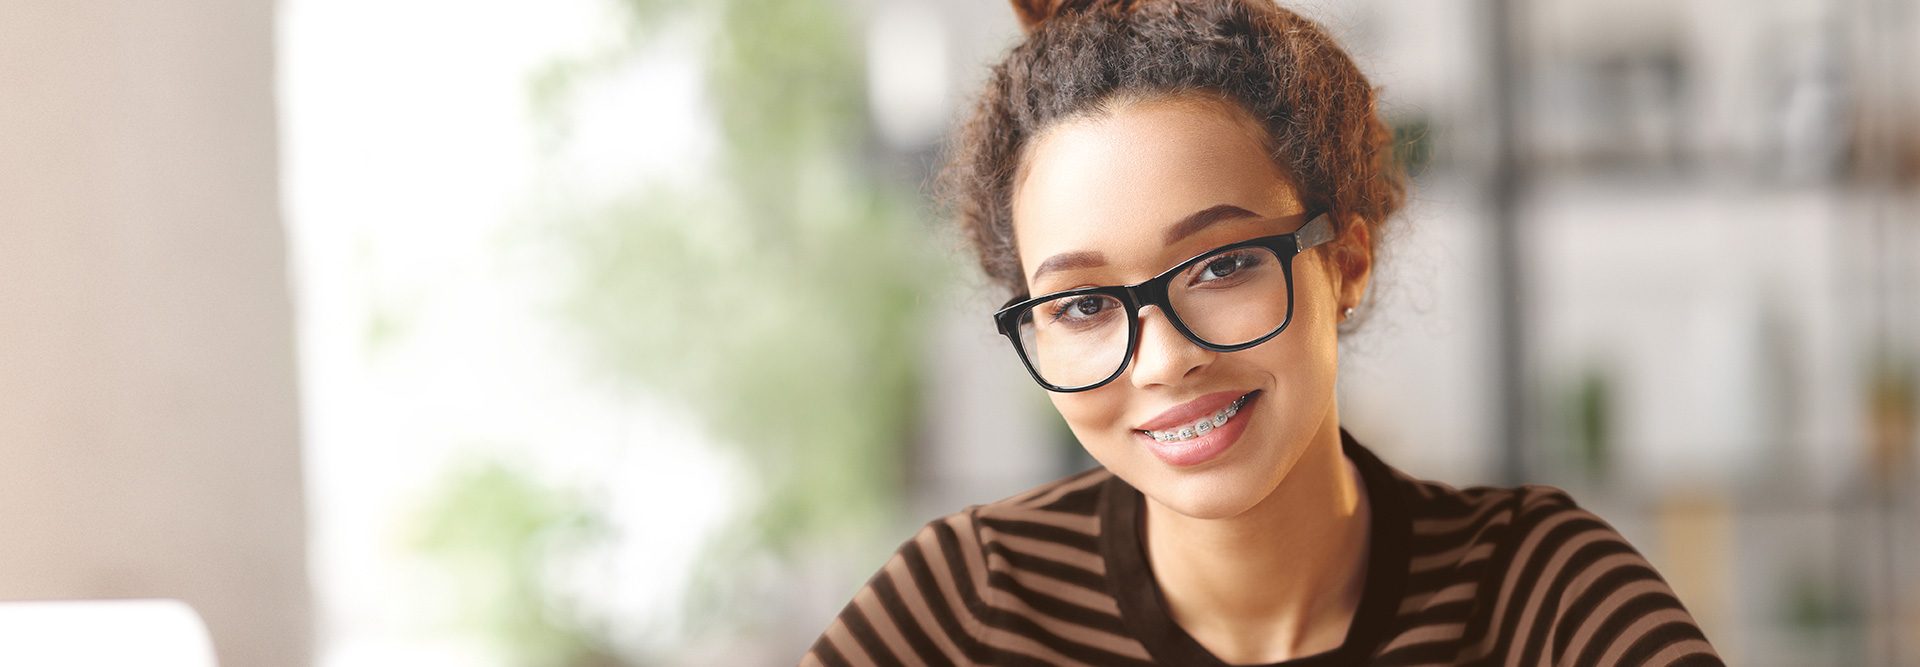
x=781, y=299
x=1590, y=411
x=496, y=536
x=1413, y=143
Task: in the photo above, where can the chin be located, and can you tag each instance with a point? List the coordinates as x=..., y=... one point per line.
x=1201, y=499
x=1221, y=491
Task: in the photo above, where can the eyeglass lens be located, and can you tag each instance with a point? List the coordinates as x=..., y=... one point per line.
x=1229, y=298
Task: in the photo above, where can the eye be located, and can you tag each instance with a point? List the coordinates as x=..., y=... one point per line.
x=1226, y=265
x=1082, y=310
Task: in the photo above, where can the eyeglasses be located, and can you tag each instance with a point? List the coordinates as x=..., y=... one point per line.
x=1227, y=299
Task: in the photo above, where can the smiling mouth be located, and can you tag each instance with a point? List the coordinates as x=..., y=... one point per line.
x=1201, y=426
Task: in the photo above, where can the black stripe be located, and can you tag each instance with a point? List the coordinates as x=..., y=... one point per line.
x=896, y=607
x=1056, y=607
x=1550, y=544
x=1440, y=651
x=1609, y=630
x=1491, y=578
x=1582, y=560
x=1480, y=531
x=1457, y=555
x=1606, y=586
x=1445, y=502
x=963, y=581
x=1084, y=501
x=863, y=632
x=1046, y=533
x=922, y=574
x=1072, y=574
x=1026, y=627
x=1023, y=498
x=828, y=655
x=1698, y=660
x=1660, y=637
x=1003, y=656
x=1443, y=505
x=1433, y=581
x=1440, y=614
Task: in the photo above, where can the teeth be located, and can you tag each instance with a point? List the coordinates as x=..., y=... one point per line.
x=1200, y=427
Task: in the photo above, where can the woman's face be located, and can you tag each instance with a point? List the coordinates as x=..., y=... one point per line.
x=1113, y=184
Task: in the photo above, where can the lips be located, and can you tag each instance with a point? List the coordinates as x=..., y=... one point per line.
x=1191, y=411
x=1188, y=450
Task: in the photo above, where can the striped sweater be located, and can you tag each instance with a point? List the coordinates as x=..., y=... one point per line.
x=1058, y=576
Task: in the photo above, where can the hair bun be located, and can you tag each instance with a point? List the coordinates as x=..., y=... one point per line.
x=1034, y=12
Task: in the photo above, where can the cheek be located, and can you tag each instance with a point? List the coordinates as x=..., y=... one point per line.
x=1096, y=417
x=1314, y=301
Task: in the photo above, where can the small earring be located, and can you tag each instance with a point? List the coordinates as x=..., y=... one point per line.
x=1347, y=314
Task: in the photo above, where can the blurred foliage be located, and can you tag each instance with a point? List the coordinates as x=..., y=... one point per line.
x=1591, y=412
x=781, y=299
x=497, y=535
x=1413, y=143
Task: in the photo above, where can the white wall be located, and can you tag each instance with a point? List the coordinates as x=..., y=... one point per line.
x=148, y=423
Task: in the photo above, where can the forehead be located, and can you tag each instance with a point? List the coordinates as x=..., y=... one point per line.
x=1112, y=182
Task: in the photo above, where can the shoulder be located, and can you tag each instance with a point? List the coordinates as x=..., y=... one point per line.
x=1075, y=495
x=1531, y=534
x=1551, y=577
x=1069, y=503
x=1057, y=521
x=1444, y=518
x=974, y=579
x=1054, y=526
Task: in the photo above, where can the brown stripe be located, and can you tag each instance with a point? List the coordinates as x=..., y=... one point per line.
x=838, y=646
x=1097, y=601
x=932, y=605
x=1607, y=576
x=1480, y=529
x=1047, y=493
x=1465, y=553
x=1055, y=551
x=1085, y=524
x=999, y=558
x=894, y=622
x=1567, y=541
x=1521, y=566
x=1590, y=633
x=1680, y=652
x=1643, y=626
x=1436, y=632
x=1464, y=590
x=1433, y=521
x=957, y=536
x=878, y=641
x=1049, y=627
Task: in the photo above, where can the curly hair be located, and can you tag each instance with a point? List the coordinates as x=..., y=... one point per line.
x=1318, y=112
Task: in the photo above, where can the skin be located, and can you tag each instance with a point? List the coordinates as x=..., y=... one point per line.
x=1260, y=553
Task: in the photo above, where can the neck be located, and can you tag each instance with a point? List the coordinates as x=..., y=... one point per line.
x=1280, y=580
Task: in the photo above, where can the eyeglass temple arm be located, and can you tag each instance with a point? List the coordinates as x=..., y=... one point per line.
x=1317, y=231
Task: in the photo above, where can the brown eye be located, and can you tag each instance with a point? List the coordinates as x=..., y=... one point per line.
x=1083, y=308
x=1082, y=311
x=1226, y=266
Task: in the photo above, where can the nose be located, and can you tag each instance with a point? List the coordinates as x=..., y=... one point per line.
x=1163, y=356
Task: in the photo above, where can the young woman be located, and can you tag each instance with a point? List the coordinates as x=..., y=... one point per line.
x=1184, y=197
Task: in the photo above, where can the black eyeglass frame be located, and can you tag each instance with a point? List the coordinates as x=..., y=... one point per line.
x=1153, y=292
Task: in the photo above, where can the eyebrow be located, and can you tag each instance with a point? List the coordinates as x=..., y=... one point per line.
x=1187, y=226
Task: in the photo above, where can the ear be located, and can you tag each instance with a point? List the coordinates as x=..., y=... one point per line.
x=1350, y=262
